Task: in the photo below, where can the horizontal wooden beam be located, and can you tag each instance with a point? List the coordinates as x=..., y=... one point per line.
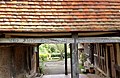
x=36, y=40
x=56, y=34
x=61, y=40
x=99, y=40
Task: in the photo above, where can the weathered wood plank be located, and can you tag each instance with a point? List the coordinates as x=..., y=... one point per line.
x=112, y=57
x=99, y=39
x=118, y=53
x=61, y=40
x=13, y=63
x=36, y=40
x=37, y=59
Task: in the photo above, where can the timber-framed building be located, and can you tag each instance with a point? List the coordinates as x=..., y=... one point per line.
x=24, y=24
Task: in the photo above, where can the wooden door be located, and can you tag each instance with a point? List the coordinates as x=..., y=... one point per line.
x=111, y=61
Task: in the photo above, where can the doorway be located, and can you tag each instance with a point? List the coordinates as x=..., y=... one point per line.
x=52, y=58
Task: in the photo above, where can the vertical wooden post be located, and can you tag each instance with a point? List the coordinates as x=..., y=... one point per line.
x=27, y=58
x=37, y=59
x=65, y=46
x=118, y=53
x=112, y=54
x=107, y=49
x=13, y=63
x=75, y=70
x=92, y=53
x=71, y=59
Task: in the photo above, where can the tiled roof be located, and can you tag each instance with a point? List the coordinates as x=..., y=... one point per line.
x=60, y=15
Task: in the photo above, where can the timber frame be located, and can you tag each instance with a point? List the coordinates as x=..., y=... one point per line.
x=105, y=57
x=62, y=40
x=74, y=40
x=95, y=23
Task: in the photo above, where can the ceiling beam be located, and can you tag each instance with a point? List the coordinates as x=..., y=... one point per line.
x=57, y=35
x=62, y=40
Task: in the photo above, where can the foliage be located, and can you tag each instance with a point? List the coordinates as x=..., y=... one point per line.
x=44, y=57
x=42, y=66
x=83, y=58
x=68, y=55
x=49, y=51
x=55, y=55
x=51, y=48
x=60, y=48
x=81, y=67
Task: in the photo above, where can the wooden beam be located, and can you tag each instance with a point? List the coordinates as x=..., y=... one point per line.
x=71, y=59
x=118, y=53
x=61, y=40
x=13, y=71
x=75, y=64
x=37, y=59
x=83, y=34
x=99, y=40
x=66, y=72
x=36, y=40
x=102, y=72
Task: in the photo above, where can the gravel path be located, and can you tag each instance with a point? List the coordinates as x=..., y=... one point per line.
x=56, y=67
x=63, y=76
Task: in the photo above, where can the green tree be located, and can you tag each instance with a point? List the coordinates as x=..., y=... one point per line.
x=60, y=49
x=52, y=48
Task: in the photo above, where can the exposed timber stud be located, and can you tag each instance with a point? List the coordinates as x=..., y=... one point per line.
x=37, y=58
x=65, y=46
x=27, y=57
x=75, y=71
x=71, y=59
x=13, y=63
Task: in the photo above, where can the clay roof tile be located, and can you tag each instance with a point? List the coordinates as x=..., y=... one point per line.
x=73, y=15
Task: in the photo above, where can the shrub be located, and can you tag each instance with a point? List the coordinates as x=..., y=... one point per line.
x=45, y=57
x=55, y=55
x=59, y=55
x=42, y=66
